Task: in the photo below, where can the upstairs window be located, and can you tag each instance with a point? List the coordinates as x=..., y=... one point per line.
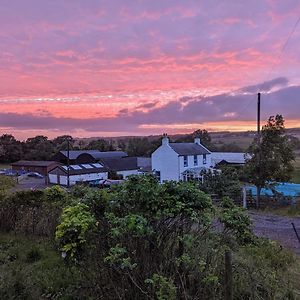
x=204, y=159
x=185, y=161
x=195, y=160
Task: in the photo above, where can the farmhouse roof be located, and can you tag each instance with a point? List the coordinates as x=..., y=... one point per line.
x=189, y=149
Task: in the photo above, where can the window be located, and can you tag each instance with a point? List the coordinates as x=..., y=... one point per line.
x=204, y=159
x=185, y=161
x=195, y=160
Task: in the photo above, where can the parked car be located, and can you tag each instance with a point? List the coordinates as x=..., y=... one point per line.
x=34, y=174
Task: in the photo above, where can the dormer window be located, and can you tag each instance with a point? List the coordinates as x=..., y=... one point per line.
x=185, y=161
x=204, y=159
x=195, y=160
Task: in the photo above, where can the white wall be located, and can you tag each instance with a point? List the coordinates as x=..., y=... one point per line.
x=165, y=160
x=126, y=173
x=78, y=178
x=53, y=178
x=191, y=165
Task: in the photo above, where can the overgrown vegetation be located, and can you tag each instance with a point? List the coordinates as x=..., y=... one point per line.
x=141, y=240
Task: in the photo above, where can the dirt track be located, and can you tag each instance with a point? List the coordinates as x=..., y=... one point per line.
x=278, y=228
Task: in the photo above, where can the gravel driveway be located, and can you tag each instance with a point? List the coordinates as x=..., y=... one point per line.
x=277, y=228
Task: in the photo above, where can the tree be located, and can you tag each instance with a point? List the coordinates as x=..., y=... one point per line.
x=10, y=149
x=60, y=143
x=101, y=145
x=38, y=148
x=201, y=133
x=271, y=156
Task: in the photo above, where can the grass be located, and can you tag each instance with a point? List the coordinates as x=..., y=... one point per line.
x=289, y=211
x=31, y=268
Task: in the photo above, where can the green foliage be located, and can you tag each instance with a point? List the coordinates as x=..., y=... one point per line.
x=271, y=162
x=33, y=255
x=56, y=194
x=6, y=183
x=101, y=145
x=37, y=273
x=164, y=287
x=202, y=134
x=71, y=233
x=221, y=183
x=236, y=220
x=10, y=149
x=261, y=272
x=140, y=240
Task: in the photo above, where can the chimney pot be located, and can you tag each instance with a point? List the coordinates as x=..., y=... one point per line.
x=165, y=139
x=197, y=140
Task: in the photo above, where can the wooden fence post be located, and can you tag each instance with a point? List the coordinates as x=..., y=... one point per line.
x=244, y=197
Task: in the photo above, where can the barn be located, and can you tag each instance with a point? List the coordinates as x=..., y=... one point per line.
x=77, y=173
x=86, y=156
x=41, y=167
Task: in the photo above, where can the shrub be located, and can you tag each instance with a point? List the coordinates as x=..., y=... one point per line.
x=76, y=221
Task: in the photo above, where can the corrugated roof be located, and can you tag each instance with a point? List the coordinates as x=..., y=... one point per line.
x=34, y=163
x=73, y=154
x=189, y=149
x=82, y=169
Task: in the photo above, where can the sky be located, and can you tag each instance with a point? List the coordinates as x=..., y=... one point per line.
x=141, y=67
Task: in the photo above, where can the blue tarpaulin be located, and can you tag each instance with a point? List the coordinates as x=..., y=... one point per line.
x=285, y=188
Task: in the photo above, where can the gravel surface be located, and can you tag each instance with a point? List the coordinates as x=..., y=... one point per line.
x=278, y=228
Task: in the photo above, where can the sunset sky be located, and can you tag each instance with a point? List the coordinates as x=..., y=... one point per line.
x=133, y=67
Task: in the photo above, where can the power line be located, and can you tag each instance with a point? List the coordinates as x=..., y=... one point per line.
x=284, y=46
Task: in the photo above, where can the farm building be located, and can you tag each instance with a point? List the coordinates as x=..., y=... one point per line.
x=41, y=167
x=86, y=156
x=228, y=158
x=77, y=173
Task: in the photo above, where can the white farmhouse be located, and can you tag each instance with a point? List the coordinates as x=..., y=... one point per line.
x=180, y=161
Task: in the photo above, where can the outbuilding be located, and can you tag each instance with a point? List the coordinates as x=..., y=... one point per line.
x=41, y=167
x=77, y=173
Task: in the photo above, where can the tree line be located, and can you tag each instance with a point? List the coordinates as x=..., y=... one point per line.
x=41, y=147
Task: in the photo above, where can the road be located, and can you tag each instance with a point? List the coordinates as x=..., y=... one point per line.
x=278, y=228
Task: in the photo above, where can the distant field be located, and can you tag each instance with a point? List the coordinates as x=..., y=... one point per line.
x=4, y=166
x=242, y=141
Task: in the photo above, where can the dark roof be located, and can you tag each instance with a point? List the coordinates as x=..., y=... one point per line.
x=188, y=149
x=108, y=154
x=34, y=163
x=121, y=164
x=73, y=154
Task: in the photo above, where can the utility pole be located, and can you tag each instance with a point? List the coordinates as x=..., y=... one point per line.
x=68, y=162
x=258, y=145
x=258, y=118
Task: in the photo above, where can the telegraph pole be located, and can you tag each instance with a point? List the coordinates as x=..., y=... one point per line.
x=68, y=163
x=258, y=118
x=258, y=144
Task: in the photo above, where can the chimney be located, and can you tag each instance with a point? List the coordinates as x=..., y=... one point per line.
x=165, y=139
x=197, y=140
